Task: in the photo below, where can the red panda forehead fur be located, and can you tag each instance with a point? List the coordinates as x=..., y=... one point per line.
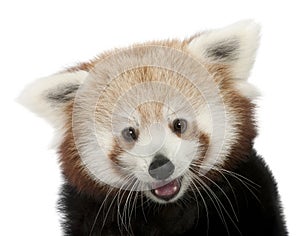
x=239, y=106
x=159, y=86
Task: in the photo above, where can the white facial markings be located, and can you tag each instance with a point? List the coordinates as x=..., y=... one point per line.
x=159, y=139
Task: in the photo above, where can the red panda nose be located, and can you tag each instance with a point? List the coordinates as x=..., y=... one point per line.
x=161, y=167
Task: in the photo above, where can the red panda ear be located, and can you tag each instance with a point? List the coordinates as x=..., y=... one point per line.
x=49, y=96
x=234, y=45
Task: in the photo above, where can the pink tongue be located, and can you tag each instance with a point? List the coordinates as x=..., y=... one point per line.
x=168, y=190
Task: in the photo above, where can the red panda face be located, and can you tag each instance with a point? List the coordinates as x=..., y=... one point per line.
x=148, y=125
x=152, y=137
x=156, y=117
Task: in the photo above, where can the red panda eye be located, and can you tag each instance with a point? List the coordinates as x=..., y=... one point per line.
x=129, y=134
x=179, y=126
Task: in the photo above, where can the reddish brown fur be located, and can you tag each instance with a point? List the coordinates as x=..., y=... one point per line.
x=115, y=152
x=204, y=140
x=150, y=112
x=73, y=169
x=243, y=109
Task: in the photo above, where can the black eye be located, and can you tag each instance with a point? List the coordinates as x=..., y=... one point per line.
x=179, y=126
x=129, y=134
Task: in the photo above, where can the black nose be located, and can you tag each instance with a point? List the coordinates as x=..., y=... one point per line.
x=161, y=167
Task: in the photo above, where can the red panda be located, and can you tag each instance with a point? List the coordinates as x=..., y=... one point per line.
x=157, y=139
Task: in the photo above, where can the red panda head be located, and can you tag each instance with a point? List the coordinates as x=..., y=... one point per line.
x=154, y=117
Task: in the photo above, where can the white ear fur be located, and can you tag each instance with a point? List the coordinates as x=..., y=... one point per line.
x=234, y=45
x=48, y=96
x=246, y=89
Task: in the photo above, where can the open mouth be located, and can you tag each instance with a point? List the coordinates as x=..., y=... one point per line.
x=167, y=191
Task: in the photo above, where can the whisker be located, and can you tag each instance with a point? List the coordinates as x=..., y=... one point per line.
x=99, y=210
x=119, y=200
x=221, y=204
x=204, y=203
x=110, y=206
x=226, y=196
x=216, y=204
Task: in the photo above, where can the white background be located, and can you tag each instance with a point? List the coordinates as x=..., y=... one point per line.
x=39, y=38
